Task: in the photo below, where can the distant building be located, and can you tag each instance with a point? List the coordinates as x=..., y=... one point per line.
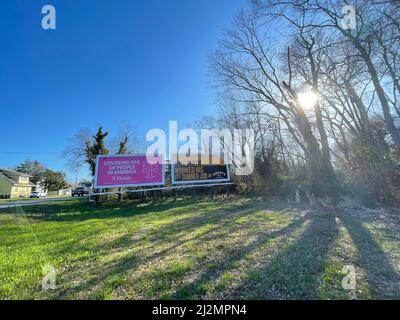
x=14, y=184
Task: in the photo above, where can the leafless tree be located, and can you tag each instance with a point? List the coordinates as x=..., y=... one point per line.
x=128, y=132
x=75, y=151
x=249, y=69
x=374, y=39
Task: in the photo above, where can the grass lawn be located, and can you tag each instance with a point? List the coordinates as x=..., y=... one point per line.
x=197, y=249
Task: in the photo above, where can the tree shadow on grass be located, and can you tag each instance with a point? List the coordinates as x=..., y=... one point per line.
x=179, y=232
x=294, y=273
x=203, y=226
x=176, y=220
x=383, y=279
x=162, y=243
x=229, y=259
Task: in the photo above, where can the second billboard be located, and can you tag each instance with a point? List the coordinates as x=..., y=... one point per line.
x=196, y=172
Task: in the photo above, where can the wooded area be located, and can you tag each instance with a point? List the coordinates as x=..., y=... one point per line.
x=322, y=97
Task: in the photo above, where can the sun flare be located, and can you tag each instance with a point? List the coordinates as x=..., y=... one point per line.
x=308, y=99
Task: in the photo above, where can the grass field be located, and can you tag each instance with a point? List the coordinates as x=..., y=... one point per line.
x=197, y=249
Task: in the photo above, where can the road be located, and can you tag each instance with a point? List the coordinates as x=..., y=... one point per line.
x=32, y=202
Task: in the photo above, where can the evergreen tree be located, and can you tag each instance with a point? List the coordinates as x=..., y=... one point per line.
x=34, y=168
x=95, y=148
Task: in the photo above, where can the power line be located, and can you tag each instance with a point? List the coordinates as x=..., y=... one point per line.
x=28, y=153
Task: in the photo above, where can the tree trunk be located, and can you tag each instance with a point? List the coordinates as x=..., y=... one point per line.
x=394, y=133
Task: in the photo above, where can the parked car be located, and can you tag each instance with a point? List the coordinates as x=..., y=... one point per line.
x=37, y=194
x=80, y=191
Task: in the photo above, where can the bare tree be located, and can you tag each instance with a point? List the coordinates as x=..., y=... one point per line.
x=75, y=151
x=250, y=70
x=125, y=132
x=366, y=37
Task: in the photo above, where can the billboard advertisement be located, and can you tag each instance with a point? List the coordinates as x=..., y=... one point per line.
x=196, y=172
x=114, y=171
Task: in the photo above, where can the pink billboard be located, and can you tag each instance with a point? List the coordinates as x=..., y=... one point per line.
x=128, y=171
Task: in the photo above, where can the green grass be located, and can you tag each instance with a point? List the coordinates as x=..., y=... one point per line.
x=197, y=249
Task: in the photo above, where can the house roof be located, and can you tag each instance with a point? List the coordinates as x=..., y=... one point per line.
x=7, y=174
x=3, y=176
x=5, y=171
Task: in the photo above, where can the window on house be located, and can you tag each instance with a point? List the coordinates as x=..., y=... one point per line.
x=23, y=179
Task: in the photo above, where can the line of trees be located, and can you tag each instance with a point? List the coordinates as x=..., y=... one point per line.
x=348, y=139
x=40, y=175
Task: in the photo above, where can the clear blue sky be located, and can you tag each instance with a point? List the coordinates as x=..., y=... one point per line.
x=141, y=62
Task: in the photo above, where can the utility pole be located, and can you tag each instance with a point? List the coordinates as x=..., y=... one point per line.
x=76, y=176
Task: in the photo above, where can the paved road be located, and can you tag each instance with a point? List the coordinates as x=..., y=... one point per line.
x=32, y=202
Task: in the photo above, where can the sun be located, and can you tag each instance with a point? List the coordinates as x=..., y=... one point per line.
x=307, y=99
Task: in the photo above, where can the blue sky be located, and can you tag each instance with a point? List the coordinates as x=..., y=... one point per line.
x=108, y=61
